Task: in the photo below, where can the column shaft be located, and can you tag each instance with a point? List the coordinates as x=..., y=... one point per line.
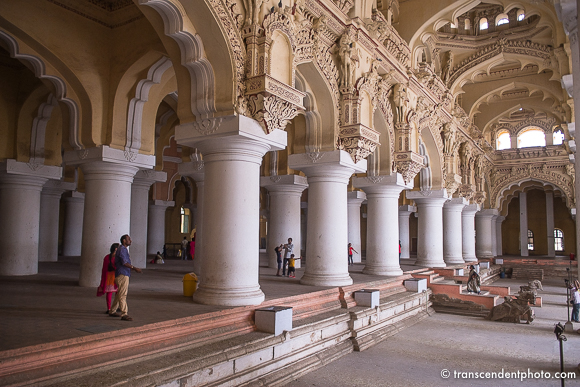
x=550, y=223
x=74, y=207
x=452, y=228
x=49, y=220
x=494, y=235
x=354, y=200
x=156, y=225
x=523, y=224
x=499, y=238
x=483, y=242
x=107, y=214
x=139, y=215
x=404, y=235
x=468, y=232
x=19, y=223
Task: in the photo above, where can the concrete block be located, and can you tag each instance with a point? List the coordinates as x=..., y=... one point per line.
x=499, y=261
x=459, y=272
x=484, y=265
x=416, y=284
x=367, y=297
x=275, y=319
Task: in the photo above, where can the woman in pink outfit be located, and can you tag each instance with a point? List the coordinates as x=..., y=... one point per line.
x=108, y=285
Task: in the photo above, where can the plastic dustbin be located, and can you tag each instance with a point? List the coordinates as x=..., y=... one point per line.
x=189, y=284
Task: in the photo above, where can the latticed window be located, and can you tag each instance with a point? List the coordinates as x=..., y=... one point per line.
x=530, y=240
x=558, y=240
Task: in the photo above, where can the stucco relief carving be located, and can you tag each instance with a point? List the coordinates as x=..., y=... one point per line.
x=207, y=126
x=271, y=111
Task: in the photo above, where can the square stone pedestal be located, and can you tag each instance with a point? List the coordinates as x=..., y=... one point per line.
x=484, y=265
x=367, y=297
x=416, y=284
x=275, y=319
x=499, y=261
x=459, y=272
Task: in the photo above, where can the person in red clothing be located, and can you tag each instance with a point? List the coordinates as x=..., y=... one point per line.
x=108, y=285
x=192, y=247
x=350, y=251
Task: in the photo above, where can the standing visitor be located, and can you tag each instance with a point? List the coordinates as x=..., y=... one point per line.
x=107, y=285
x=350, y=251
x=122, y=274
x=278, y=250
x=184, y=248
x=289, y=249
x=292, y=267
x=575, y=298
x=474, y=281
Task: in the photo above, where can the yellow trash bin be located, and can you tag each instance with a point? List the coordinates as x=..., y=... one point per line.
x=189, y=284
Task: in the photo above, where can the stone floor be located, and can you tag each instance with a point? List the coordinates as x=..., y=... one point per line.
x=418, y=355
x=50, y=306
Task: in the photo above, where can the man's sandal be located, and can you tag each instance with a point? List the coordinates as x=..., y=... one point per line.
x=127, y=318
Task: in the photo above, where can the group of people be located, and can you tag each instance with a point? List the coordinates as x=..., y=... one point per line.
x=289, y=259
x=115, y=278
x=187, y=248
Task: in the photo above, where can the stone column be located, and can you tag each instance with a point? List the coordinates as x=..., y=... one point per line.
x=108, y=175
x=354, y=200
x=452, y=229
x=498, y=223
x=196, y=170
x=493, y=235
x=285, y=193
x=20, y=188
x=523, y=224
x=404, y=213
x=140, y=212
x=483, y=240
x=382, y=222
x=468, y=232
x=430, y=233
x=74, y=207
x=326, y=250
x=550, y=223
x=49, y=219
x=156, y=225
x=232, y=155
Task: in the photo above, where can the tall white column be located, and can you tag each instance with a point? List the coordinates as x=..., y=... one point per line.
x=108, y=175
x=452, y=228
x=483, y=227
x=354, y=200
x=383, y=192
x=468, y=232
x=19, y=223
x=20, y=188
x=49, y=219
x=404, y=235
x=140, y=212
x=494, y=235
x=498, y=225
x=523, y=224
x=232, y=155
x=550, y=223
x=285, y=193
x=156, y=225
x=430, y=233
x=74, y=208
x=196, y=170
x=326, y=250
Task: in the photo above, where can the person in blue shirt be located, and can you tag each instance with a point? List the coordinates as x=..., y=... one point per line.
x=122, y=274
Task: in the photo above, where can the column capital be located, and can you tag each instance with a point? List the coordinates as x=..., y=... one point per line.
x=284, y=183
x=356, y=197
x=424, y=197
x=162, y=203
x=217, y=133
x=58, y=187
x=74, y=196
x=488, y=213
x=457, y=203
x=193, y=169
x=146, y=177
x=334, y=164
x=407, y=208
x=471, y=209
x=14, y=167
x=107, y=154
x=103, y=170
x=381, y=184
x=500, y=219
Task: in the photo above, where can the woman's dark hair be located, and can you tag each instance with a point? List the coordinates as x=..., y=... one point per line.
x=114, y=247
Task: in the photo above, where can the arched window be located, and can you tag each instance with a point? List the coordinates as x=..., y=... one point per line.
x=530, y=240
x=521, y=14
x=558, y=240
x=185, y=213
x=503, y=140
x=531, y=136
x=483, y=23
x=558, y=137
x=502, y=18
x=467, y=24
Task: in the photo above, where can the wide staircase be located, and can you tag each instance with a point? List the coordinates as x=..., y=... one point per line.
x=223, y=348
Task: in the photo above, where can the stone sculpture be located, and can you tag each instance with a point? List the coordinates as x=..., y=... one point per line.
x=529, y=292
x=512, y=310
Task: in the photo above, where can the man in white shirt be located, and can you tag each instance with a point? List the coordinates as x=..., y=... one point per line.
x=289, y=249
